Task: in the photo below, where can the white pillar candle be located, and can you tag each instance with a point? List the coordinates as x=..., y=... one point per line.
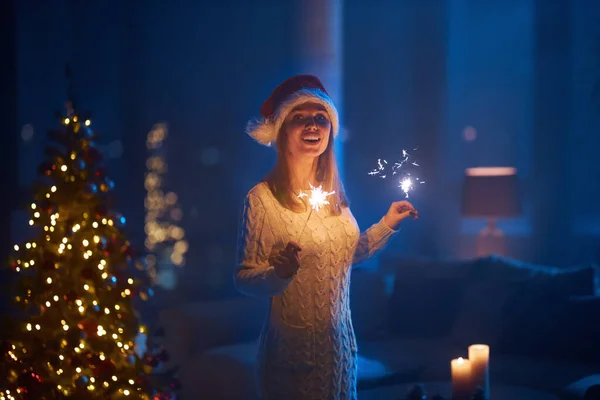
x=479, y=355
x=461, y=379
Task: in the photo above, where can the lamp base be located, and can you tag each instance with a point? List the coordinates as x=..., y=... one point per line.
x=490, y=240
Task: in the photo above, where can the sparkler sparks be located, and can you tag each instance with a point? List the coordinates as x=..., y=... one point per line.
x=317, y=198
x=407, y=182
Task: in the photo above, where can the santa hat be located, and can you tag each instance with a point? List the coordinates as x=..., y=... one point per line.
x=288, y=95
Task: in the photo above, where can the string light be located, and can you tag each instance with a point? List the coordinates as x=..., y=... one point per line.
x=164, y=237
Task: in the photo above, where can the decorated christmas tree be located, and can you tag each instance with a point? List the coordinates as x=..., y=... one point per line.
x=77, y=334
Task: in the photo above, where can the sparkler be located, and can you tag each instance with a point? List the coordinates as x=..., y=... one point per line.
x=317, y=200
x=407, y=182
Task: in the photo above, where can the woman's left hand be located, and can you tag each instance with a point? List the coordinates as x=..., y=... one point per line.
x=398, y=211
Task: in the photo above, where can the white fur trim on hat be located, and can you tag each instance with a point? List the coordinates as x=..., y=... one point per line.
x=265, y=131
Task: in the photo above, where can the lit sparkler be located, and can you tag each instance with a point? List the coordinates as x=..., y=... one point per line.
x=407, y=182
x=317, y=200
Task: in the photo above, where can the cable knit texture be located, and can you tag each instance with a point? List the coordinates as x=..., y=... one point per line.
x=307, y=348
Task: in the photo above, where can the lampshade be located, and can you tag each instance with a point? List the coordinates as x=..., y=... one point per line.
x=490, y=192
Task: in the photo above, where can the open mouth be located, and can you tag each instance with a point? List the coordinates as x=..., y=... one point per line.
x=311, y=139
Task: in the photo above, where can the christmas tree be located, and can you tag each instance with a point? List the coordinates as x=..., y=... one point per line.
x=75, y=334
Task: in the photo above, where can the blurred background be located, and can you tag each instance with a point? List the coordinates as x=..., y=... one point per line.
x=468, y=83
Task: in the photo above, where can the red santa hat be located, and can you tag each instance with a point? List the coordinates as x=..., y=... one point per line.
x=288, y=95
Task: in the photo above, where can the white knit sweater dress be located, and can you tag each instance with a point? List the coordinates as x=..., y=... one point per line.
x=307, y=348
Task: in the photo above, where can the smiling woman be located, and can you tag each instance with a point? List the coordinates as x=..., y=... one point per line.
x=307, y=347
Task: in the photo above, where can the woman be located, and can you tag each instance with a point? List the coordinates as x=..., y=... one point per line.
x=300, y=259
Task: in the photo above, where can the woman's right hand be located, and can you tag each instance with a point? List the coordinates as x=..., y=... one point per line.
x=287, y=262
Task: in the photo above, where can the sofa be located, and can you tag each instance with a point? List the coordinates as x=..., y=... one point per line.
x=411, y=318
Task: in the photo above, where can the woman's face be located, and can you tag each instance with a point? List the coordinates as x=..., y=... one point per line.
x=307, y=130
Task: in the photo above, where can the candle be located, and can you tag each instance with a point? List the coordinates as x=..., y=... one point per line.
x=461, y=379
x=479, y=355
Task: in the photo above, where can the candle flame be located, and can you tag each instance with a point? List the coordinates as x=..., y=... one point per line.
x=461, y=360
x=317, y=198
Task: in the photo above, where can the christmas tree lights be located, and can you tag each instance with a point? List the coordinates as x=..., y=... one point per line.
x=76, y=330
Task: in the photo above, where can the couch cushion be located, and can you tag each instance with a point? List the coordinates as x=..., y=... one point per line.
x=424, y=308
x=426, y=297
x=539, y=317
x=480, y=317
x=563, y=282
x=424, y=268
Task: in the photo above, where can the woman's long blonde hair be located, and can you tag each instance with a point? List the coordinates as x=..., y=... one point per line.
x=280, y=178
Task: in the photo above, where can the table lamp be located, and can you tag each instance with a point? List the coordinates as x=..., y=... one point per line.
x=490, y=193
